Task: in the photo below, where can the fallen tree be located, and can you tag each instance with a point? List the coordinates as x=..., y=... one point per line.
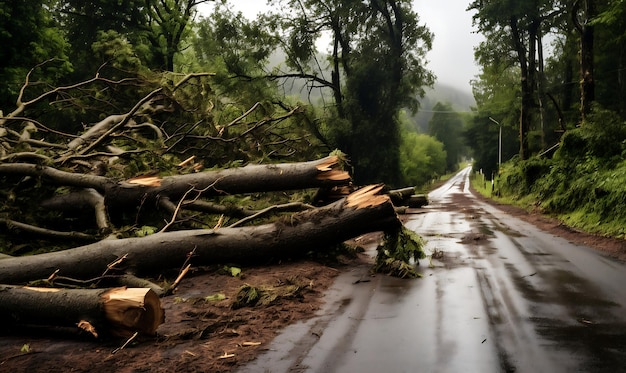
x=118, y=311
x=104, y=191
x=361, y=212
x=135, y=186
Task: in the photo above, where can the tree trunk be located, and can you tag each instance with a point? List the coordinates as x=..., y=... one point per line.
x=526, y=60
x=324, y=172
x=418, y=200
x=587, y=82
x=400, y=197
x=361, y=212
x=117, y=311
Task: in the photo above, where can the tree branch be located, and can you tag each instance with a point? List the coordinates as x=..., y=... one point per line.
x=10, y=224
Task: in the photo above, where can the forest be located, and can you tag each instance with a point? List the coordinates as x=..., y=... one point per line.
x=128, y=124
x=552, y=81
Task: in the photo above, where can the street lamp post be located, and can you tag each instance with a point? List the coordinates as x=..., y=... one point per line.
x=499, y=142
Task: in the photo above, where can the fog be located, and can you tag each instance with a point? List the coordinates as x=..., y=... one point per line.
x=452, y=56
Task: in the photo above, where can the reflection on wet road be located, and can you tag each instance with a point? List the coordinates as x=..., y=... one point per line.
x=505, y=297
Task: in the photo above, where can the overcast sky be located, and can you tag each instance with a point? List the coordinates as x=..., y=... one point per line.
x=452, y=56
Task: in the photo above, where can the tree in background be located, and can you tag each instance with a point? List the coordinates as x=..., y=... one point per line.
x=375, y=67
x=497, y=93
x=482, y=138
x=609, y=56
x=582, y=18
x=28, y=37
x=422, y=158
x=156, y=28
x=446, y=125
x=517, y=27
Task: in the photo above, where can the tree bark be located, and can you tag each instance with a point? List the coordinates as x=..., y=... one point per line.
x=400, y=197
x=418, y=200
x=361, y=212
x=586, y=31
x=252, y=178
x=117, y=311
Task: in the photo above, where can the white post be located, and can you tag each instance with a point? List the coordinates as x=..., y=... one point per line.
x=499, y=142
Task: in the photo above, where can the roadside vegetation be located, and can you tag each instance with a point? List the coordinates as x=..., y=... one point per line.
x=583, y=189
x=550, y=130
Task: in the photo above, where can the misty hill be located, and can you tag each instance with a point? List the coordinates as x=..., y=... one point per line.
x=460, y=100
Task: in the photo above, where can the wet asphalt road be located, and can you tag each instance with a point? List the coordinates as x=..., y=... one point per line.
x=505, y=297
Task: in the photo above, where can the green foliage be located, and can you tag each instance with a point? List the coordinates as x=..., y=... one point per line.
x=215, y=297
x=158, y=29
x=252, y=296
x=114, y=49
x=146, y=230
x=28, y=37
x=396, y=252
x=422, y=158
x=231, y=271
x=583, y=183
x=446, y=126
x=519, y=178
x=602, y=136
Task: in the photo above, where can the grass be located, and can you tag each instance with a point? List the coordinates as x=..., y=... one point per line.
x=598, y=209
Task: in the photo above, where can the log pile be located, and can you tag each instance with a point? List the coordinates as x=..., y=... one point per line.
x=364, y=210
x=95, y=219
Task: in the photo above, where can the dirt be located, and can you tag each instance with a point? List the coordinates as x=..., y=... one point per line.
x=200, y=335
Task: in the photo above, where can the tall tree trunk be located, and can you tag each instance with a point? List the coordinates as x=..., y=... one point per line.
x=586, y=30
x=527, y=88
x=540, y=88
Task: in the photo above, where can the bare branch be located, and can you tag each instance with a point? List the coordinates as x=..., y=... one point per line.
x=294, y=206
x=58, y=176
x=45, y=232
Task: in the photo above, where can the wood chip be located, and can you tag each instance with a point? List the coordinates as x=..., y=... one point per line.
x=153, y=181
x=86, y=326
x=187, y=161
x=226, y=355
x=251, y=343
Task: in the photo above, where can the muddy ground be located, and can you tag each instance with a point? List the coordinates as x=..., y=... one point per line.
x=210, y=336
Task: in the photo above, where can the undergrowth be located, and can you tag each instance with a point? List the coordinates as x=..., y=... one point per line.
x=250, y=296
x=397, y=251
x=583, y=184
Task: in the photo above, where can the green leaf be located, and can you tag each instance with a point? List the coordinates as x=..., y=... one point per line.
x=215, y=297
x=146, y=230
x=234, y=271
x=25, y=348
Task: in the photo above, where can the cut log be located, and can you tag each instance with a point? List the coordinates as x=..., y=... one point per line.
x=117, y=311
x=361, y=212
x=418, y=200
x=400, y=197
